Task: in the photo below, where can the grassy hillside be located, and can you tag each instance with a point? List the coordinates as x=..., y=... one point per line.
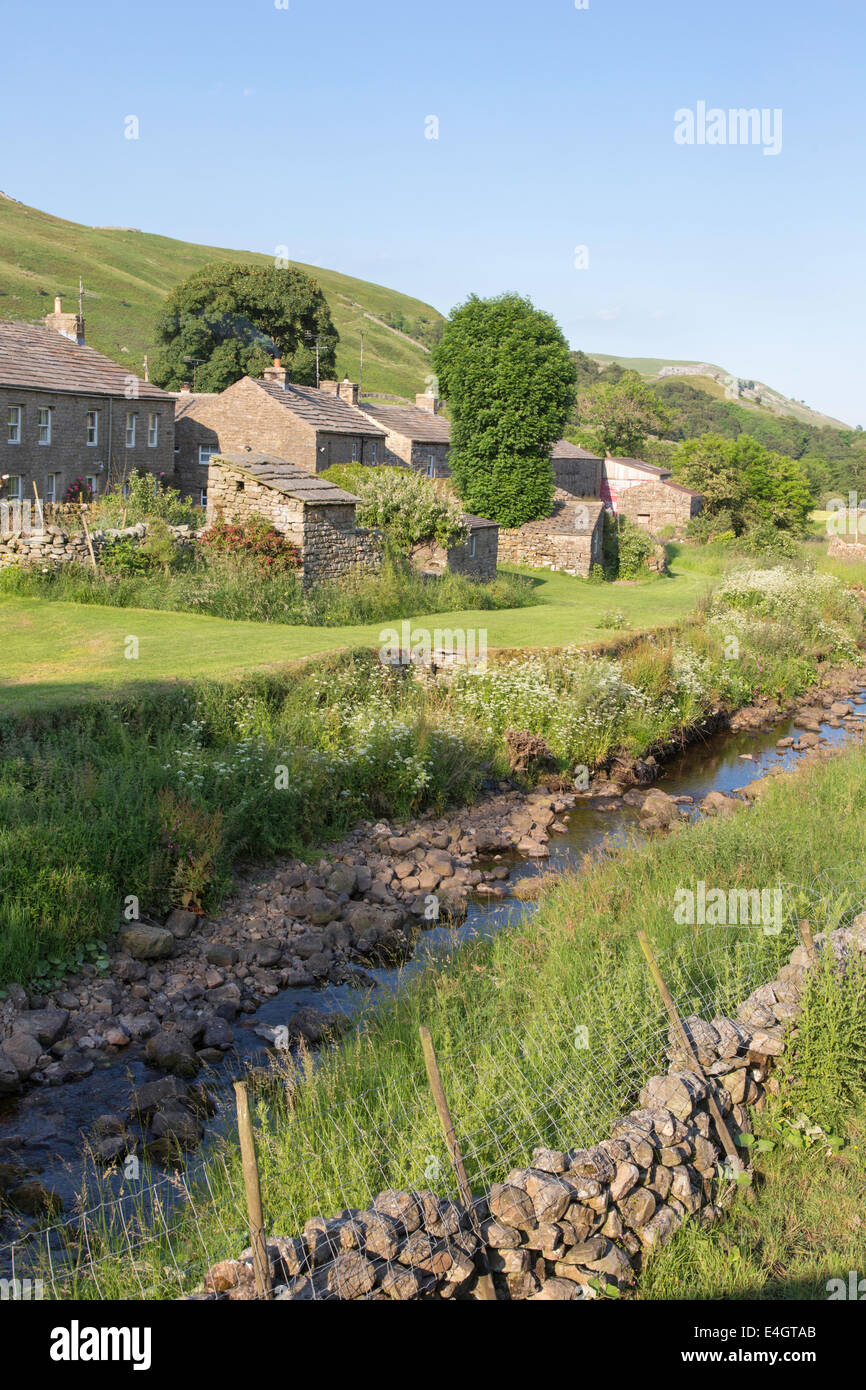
x=126, y=273
x=724, y=385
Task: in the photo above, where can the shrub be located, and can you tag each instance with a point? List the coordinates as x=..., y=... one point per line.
x=145, y=497
x=255, y=540
x=635, y=548
x=409, y=508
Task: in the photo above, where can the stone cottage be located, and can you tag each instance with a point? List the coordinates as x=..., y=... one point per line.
x=417, y=437
x=314, y=427
x=312, y=513
x=576, y=470
x=67, y=412
x=570, y=539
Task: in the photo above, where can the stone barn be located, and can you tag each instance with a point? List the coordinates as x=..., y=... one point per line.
x=312, y=513
x=570, y=539
x=477, y=557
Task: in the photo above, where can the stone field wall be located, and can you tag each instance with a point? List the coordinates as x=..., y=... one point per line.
x=570, y=1222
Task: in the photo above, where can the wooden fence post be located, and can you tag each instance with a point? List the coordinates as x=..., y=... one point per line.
x=808, y=941
x=485, y=1282
x=686, y=1043
x=89, y=541
x=261, y=1267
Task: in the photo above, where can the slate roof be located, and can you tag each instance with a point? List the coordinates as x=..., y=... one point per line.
x=422, y=426
x=40, y=359
x=320, y=409
x=285, y=477
x=564, y=449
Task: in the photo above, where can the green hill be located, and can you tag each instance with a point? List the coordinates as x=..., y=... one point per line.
x=723, y=385
x=126, y=273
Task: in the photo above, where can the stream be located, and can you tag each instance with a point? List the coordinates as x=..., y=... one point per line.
x=42, y=1130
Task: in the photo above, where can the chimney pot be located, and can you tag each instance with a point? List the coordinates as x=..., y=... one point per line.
x=58, y=304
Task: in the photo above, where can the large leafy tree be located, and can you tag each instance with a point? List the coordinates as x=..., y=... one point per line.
x=504, y=369
x=745, y=481
x=230, y=320
x=620, y=414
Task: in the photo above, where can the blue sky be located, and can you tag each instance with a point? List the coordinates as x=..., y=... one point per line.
x=261, y=127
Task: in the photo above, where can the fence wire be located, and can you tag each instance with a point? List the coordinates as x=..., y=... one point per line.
x=557, y=1081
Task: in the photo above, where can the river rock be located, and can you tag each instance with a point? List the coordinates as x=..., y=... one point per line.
x=146, y=942
x=23, y=1051
x=172, y=1051
x=47, y=1025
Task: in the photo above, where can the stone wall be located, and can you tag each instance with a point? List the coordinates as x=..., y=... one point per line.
x=55, y=546
x=572, y=1221
x=434, y=559
x=581, y=477
x=842, y=549
x=658, y=504
x=69, y=456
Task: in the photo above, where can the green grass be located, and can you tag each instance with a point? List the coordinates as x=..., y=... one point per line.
x=63, y=651
x=503, y=1013
x=127, y=274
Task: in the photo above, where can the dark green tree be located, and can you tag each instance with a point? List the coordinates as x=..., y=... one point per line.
x=747, y=483
x=505, y=370
x=231, y=320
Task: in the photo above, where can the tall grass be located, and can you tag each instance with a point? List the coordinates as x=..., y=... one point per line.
x=222, y=587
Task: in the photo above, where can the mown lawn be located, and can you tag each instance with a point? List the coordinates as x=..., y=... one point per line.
x=61, y=651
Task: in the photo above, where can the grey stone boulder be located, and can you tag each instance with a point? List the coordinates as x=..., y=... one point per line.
x=46, y=1025
x=23, y=1051
x=172, y=1051
x=145, y=941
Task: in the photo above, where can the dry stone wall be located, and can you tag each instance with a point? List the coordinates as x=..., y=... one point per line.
x=54, y=546
x=570, y=1222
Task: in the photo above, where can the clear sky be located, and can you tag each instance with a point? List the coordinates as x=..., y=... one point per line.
x=306, y=126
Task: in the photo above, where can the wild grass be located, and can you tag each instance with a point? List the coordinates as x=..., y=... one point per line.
x=225, y=588
x=504, y=1013
x=159, y=795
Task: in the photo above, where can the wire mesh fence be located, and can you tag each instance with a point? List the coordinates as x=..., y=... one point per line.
x=553, y=1082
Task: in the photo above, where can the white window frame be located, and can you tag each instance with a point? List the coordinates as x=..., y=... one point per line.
x=205, y=449
x=52, y=481
x=16, y=487
x=152, y=430
x=14, y=424
x=472, y=540
x=203, y=497
x=374, y=453
x=131, y=424
x=43, y=424
x=431, y=465
x=92, y=480
x=354, y=451
x=92, y=429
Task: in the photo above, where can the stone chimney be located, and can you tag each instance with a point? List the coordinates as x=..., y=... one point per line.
x=330, y=388
x=70, y=325
x=428, y=402
x=348, y=391
x=185, y=388
x=277, y=373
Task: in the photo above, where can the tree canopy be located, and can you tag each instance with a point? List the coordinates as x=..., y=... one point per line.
x=230, y=320
x=744, y=481
x=620, y=414
x=505, y=370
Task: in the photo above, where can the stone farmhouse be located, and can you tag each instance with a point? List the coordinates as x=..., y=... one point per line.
x=314, y=427
x=417, y=437
x=68, y=412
